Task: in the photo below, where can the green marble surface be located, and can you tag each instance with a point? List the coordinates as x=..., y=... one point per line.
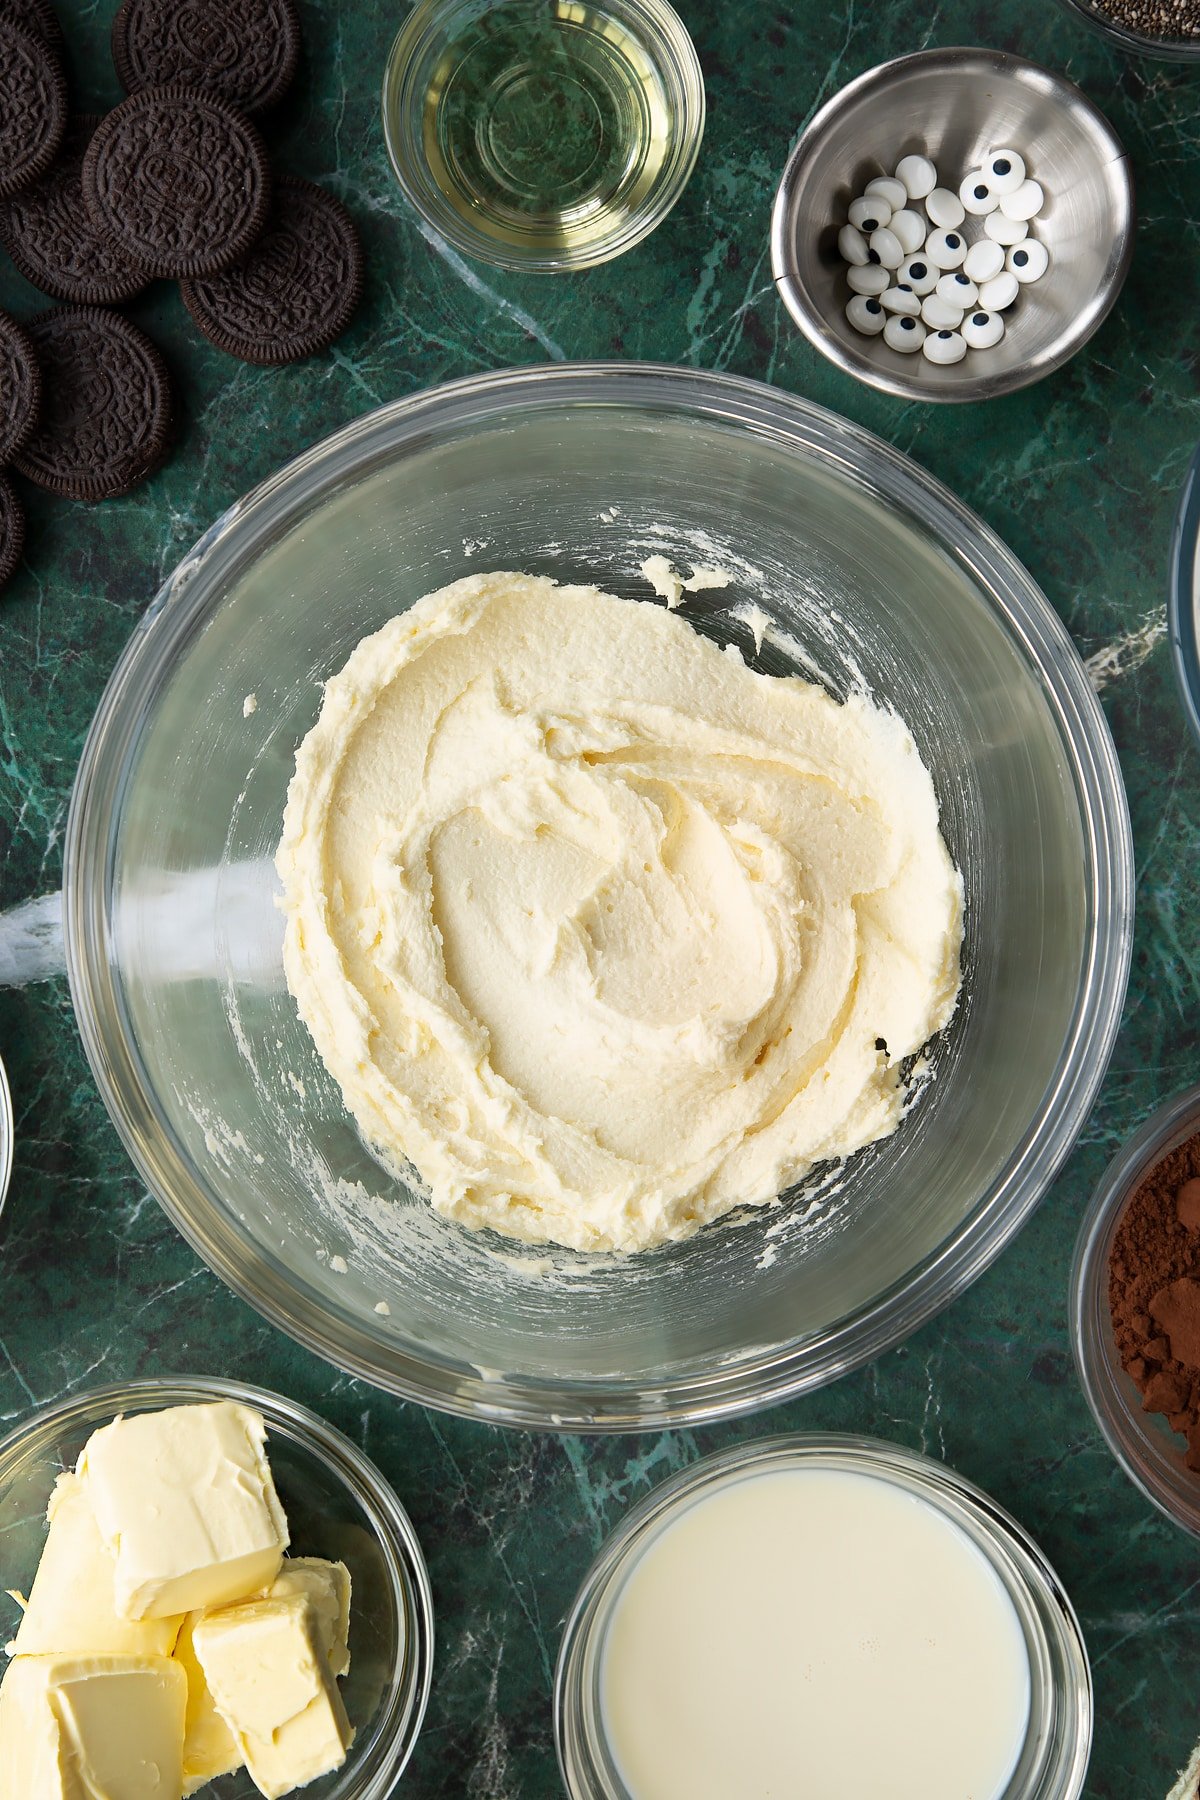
x=1079, y=474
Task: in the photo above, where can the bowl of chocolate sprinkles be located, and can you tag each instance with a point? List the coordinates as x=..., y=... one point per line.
x=1167, y=29
x=1135, y=1308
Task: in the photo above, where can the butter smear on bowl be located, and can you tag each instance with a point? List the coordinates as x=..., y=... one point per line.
x=167, y=1639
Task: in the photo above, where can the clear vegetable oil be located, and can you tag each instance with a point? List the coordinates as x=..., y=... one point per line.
x=546, y=123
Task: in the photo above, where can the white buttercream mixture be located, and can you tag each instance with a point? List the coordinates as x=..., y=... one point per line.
x=602, y=932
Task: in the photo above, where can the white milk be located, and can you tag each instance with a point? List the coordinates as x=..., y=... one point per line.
x=811, y=1634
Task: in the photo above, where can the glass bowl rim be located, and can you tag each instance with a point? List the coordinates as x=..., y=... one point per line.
x=7, y=1135
x=789, y=198
x=672, y=42
x=1183, y=595
x=860, y=1453
x=787, y=422
x=1134, y=43
x=389, y=1521
x=1143, y=1453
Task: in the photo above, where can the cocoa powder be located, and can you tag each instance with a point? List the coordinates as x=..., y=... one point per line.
x=1154, y=1291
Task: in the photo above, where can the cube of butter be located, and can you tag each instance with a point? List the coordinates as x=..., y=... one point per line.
x=185, y=1501
x=272, y=1682
x=209, y=1746
x=326, y=1587
x=75, y=1727
x=72, y=1606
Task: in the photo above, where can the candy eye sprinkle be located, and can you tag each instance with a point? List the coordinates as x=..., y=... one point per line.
x=866, y=315
x=944, y=347
x=919, y=274
x=945, y=249
x=977, y=195
x=870, y=213
x=1028, y=261
x=983, y=330
x=1004, y=171
x=921, y=280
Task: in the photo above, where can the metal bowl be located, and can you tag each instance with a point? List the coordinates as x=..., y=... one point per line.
x=954, y=106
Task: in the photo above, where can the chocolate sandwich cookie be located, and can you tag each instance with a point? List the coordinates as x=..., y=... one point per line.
x=177, y=181
x=12, y=531
x=296, y=289
x=33, y=106
x=37, y=17
x=49, y=234
x=106, y=412
x=20, y=387
x=244, y=51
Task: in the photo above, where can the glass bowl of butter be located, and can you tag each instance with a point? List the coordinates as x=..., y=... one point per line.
x=209, y=1590
x=809, y=553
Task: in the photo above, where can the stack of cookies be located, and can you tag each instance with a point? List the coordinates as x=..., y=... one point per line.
x=175, y=183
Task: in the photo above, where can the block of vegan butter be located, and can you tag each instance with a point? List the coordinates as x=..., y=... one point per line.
x=209, y=1746
x=272, y=1682
x=92, y=1728
x=185, y=1501
x=72, y=1607
x=326, y=1587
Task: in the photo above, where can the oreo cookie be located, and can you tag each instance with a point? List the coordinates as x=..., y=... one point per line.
x=296, y=290
x=49, y=235
x=106, y=412
x=20, y=387
x=178, y=181
x=244, y=51
x=38, y=18
x=33, y=106
x=12, y=531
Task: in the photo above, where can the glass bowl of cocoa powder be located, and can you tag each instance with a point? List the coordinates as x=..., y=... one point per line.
x=1135, y=1308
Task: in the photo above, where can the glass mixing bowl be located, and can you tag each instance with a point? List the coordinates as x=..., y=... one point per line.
x=870, y=572
x=1183, y=596
x=338, y=1506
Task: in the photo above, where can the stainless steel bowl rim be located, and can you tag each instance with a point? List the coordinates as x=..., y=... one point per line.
x=1183, y=596
x=790, y=199
x=852, y=1450
x=755, y=1380
x=352, y=1466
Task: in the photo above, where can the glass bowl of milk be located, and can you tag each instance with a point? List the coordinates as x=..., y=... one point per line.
x=827, y=1615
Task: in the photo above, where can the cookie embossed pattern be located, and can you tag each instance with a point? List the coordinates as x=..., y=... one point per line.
x=175, y=183
x=243, y=51
x=33, y=106
x=179, y=181
x=297, y=289
x=54, y=242
x=106, y=423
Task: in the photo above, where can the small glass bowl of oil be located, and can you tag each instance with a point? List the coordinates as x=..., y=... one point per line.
x=543, y=134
